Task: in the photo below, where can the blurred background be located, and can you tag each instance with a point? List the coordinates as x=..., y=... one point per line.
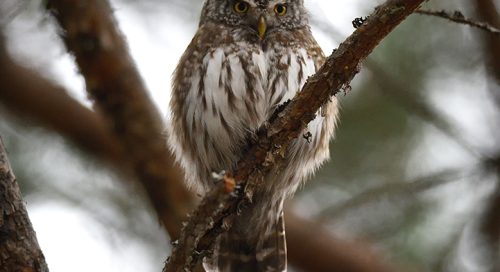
x=415, y=162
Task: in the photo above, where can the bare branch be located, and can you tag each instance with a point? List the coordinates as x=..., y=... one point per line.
x=90, y=33
x=219, y=207
x=458, y=17
x=19, y=249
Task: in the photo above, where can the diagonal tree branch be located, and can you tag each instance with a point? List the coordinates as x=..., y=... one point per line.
x=19, y=249
x=219, y=207
x=112, y=80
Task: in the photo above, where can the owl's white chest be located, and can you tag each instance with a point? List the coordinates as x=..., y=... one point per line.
x=232, y=94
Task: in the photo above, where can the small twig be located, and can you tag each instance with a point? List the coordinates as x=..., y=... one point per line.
x=458, y=17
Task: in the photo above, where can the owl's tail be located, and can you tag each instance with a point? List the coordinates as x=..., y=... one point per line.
x=256, y=242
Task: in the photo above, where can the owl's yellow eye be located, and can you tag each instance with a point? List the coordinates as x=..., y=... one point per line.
x=241, y=7
x=280, y=9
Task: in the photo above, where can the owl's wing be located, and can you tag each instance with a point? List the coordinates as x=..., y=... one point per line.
x=314, y=50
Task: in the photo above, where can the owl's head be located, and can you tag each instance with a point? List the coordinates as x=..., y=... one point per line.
x=261, y=16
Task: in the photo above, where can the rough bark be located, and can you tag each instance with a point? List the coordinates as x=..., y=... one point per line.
x=19, y=249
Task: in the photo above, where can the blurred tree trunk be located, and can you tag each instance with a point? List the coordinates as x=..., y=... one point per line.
x=19, y=249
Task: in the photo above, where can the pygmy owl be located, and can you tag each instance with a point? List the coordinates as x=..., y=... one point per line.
x=247, y=58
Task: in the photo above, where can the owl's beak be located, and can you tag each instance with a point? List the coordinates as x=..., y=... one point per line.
x=262, y=27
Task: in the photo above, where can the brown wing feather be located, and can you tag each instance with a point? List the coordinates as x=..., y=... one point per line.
x=254, y=243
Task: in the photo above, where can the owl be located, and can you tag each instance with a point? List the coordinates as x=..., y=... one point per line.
x=247, y=58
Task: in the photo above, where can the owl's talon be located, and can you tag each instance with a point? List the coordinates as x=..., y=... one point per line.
x=226, y=223
x=240, y=207
x=174, y=243
x=210, y=223
x=216, y=177
x=248, y=197
x=237, y=190
x=308, y=136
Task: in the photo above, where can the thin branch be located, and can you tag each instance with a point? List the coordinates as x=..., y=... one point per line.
x=219, y=207
x=458, y=17
x=91, y=35
x=19, y=249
